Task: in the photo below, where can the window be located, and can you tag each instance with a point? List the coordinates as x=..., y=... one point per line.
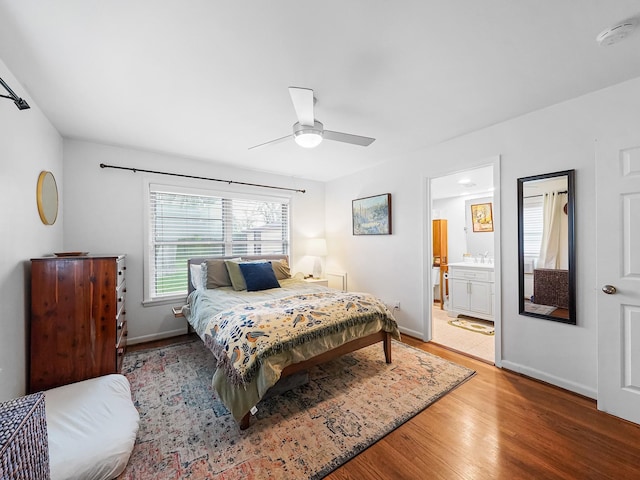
x=532, y=218
x=185, y=223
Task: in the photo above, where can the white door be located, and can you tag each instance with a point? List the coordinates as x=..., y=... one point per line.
x=618, y=273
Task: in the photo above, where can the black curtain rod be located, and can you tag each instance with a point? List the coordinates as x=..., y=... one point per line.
x=134, y=170
x=542, y=194
x=20, y=102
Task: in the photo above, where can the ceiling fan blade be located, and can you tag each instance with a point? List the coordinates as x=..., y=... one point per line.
x=302, y=99
x=348, y=138
x=277, y=140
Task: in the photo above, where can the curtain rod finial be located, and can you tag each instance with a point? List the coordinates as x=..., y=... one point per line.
x=21, y=103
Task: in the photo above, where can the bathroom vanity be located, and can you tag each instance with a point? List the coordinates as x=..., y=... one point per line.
x=471, y=290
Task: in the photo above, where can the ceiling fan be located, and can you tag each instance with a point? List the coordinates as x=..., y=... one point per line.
x=307, y=131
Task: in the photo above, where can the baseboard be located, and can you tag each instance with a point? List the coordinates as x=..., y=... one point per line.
x=551, y=379
x=156, y=336
x=411, y=333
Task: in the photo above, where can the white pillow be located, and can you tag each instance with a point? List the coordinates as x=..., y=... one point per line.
x=196, y=276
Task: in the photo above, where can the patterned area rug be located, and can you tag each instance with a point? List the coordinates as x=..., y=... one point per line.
x=347, y=405
x=474, y=325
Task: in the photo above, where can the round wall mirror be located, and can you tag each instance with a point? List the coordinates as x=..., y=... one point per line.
x=47, y=198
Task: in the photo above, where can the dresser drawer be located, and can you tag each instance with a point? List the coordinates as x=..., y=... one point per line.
x=121, y=324
x=119, y=358
x=120, y=270
x=121, y=346
x=120, y=297
x=122, y=335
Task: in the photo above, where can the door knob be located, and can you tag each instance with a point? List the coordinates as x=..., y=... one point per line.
x=609, y=289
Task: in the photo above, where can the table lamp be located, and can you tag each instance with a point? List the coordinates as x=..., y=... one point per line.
x=317, y=247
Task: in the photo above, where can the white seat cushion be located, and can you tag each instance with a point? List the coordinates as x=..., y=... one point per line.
x=92, y=426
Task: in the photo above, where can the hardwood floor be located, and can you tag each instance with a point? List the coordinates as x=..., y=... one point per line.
x=500, y=425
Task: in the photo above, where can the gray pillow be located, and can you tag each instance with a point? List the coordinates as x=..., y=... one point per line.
x=235, y=275
x=281, y=269
x=217, y=274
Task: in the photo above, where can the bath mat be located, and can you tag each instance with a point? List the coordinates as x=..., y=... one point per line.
x=474, y=325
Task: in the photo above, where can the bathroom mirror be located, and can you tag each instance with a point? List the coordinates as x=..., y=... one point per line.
x=546, y=248
x=47, y=198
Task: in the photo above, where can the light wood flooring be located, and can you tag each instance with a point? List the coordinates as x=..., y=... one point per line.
x=500, y=425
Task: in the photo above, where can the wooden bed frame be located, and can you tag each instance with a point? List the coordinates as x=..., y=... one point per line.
x=352, y=346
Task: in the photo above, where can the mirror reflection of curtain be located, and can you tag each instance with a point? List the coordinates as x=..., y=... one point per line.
x=551, y=247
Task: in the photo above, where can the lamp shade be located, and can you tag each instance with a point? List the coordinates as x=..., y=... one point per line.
x=317, y=247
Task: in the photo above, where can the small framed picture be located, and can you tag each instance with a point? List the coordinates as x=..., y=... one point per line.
x=482, y=217
x=372, y=215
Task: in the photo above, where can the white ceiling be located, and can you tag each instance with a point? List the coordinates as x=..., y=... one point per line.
x=478, y=181
x=208, y=79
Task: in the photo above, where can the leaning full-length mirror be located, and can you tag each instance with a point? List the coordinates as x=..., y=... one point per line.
x=546, y=249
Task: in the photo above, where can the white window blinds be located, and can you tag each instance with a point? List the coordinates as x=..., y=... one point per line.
x=184, y=225
x=533, y=223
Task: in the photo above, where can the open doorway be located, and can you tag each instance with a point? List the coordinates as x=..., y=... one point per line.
x=463, y=266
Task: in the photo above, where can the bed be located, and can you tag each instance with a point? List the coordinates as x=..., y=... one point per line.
x=259, y=337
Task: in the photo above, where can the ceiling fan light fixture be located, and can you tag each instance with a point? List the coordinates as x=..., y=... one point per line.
x=308, y=139
x=307, y=131
x=308, y=136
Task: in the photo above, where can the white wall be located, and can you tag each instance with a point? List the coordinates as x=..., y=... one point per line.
x=460, y=236
x=557, y=138
x=386, y=265
x=28, y=145
x=104, y=211
x=478, y=243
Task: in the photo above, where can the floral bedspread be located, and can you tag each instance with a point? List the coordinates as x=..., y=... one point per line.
x=242, y=336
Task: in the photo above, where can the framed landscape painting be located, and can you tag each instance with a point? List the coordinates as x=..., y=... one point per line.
x=372, y=215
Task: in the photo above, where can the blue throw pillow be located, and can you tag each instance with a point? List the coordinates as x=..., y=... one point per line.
x=258, y=276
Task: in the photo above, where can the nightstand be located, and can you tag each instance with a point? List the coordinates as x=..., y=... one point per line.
x=318, y=281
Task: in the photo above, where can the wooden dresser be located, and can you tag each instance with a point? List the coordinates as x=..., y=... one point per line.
x=78, y=319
